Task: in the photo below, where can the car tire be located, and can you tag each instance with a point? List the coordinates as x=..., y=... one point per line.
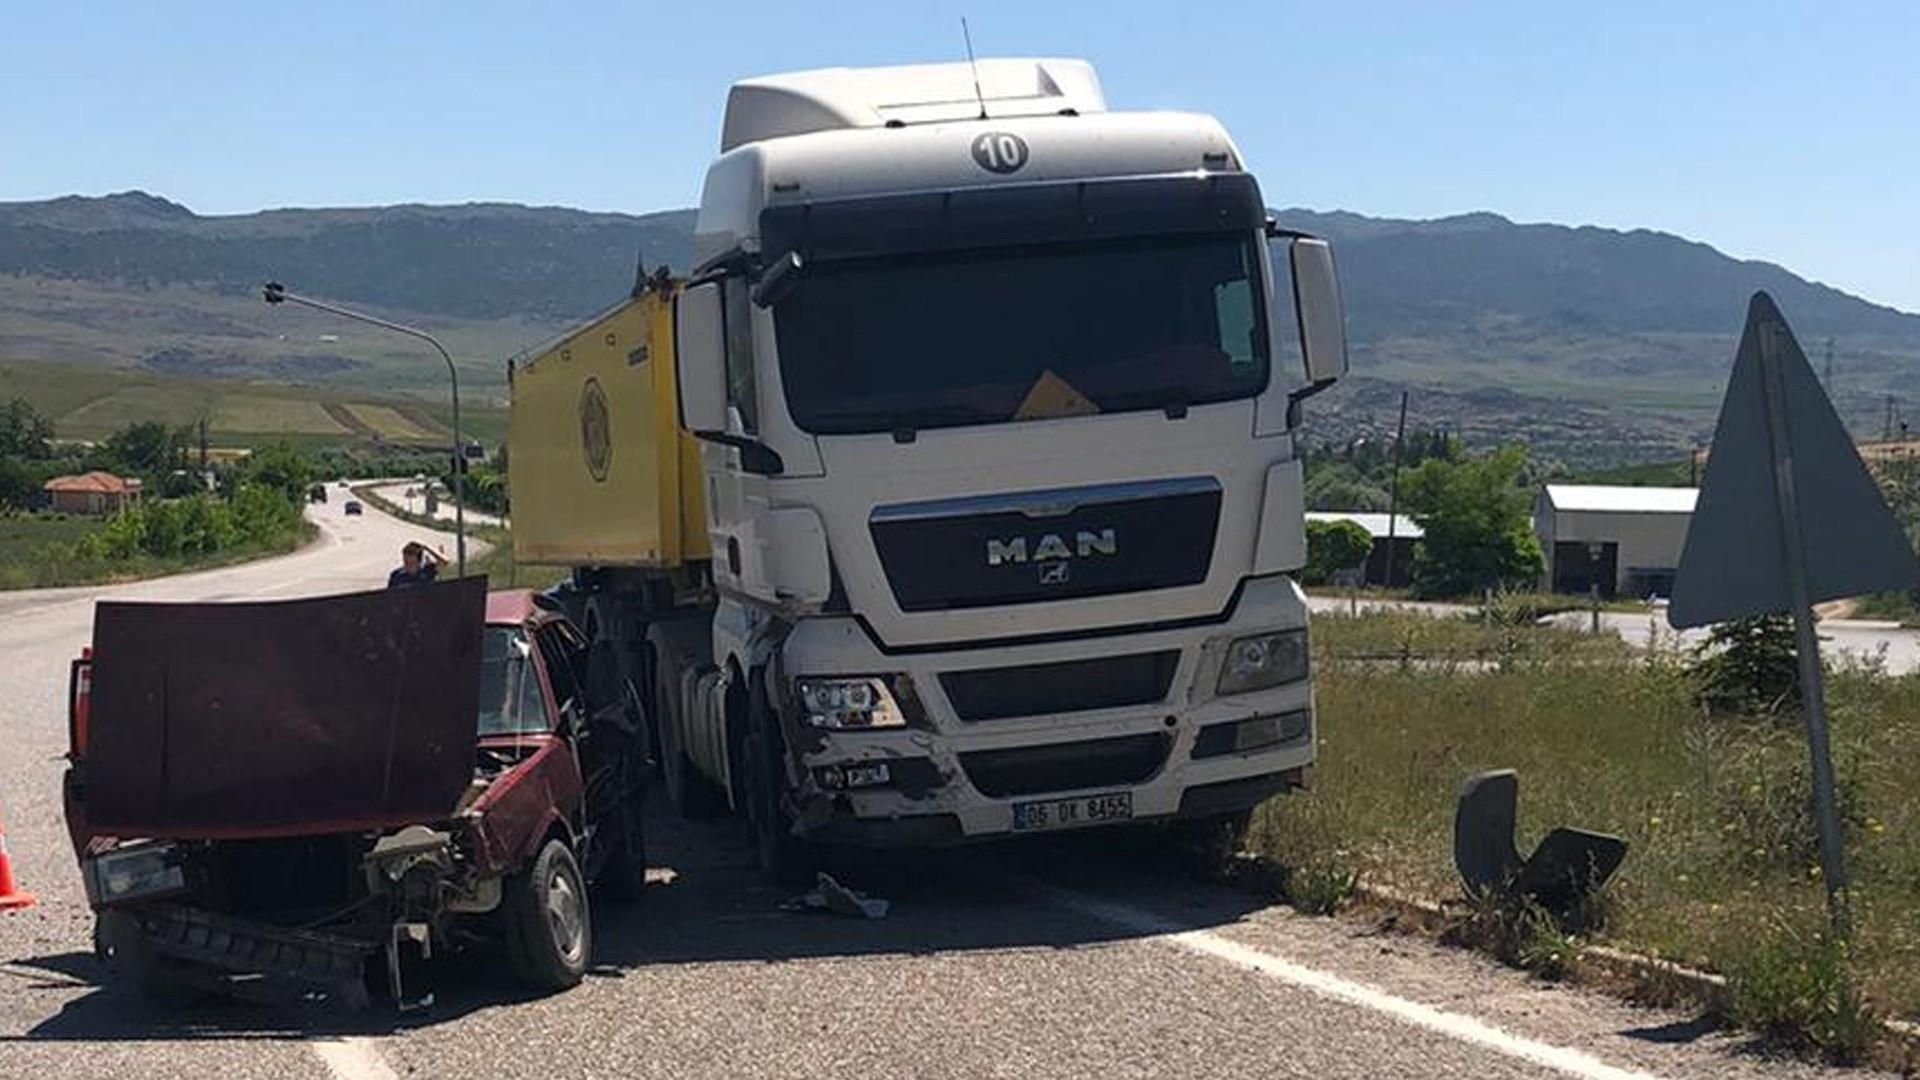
x=549, y=922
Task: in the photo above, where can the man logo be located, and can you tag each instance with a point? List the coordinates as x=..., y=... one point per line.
x=1054, y=573
x=1052, y=546
x=595, y=440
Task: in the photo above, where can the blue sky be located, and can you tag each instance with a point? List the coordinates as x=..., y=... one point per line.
x=1789, y=133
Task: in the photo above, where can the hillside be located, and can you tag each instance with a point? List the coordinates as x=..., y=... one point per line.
x=1593, y=344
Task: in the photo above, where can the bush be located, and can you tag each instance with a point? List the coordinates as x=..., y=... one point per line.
x=1749, y=667
x=256, y=517
x=1796, y=984
x=1765, y=803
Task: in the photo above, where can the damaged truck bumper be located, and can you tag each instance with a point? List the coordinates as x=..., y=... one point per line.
x=1048, y=736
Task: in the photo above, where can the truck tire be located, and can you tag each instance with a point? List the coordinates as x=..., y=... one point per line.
x=690, y=794
x=624, y=875
x=549, y=925
x=1207, y=846
x=784, y=857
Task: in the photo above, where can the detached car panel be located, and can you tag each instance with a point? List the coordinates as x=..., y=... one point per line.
x=333, y=714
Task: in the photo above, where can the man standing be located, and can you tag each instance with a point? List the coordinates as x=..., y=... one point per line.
x=419, y=565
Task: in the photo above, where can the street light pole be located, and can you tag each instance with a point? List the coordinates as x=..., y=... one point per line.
x=276, y=293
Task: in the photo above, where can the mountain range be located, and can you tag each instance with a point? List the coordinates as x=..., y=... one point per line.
x=1592, y=344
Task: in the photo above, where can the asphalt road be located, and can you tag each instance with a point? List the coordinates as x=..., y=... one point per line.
x=1075, y=956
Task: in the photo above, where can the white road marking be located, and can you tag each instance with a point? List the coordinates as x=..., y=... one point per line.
x=353, y=1057
x=1440, y=1021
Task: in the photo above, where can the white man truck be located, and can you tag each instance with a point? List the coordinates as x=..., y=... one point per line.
x=954, y=492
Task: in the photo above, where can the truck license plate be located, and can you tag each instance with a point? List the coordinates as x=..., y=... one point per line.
x=1066, y=813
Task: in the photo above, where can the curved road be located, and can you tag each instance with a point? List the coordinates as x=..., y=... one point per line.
x=1079, y=957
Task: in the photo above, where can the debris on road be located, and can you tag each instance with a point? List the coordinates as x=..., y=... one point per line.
x=830, y=896
x=1567, y=867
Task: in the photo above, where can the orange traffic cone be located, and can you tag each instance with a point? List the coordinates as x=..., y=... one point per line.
x=11, y=898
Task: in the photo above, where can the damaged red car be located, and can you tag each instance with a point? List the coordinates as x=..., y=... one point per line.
x=311, y=791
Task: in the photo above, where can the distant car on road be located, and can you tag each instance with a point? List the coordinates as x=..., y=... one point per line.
x=354, y=508
x=317, y=493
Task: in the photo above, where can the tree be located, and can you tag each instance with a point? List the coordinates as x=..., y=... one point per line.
x=148, y=449
x=1333, y=546
x=280, y=468
x=1475, y=515
x=18, y=483
x=24, y=433
x=1748, y=666
x=1339, y=486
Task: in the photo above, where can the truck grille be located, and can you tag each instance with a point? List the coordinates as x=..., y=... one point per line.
x=1032, y=770
x=1036, y=546
x=1104, y=682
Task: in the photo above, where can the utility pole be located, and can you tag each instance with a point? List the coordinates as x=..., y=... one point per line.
x=275, y=293
x=1829, y=368
x=1393, y=496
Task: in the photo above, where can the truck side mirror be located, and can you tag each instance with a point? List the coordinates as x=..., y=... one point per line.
x=699, y=364
x=1321, y=309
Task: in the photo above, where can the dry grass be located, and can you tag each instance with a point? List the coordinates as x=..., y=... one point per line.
x=1713, y=807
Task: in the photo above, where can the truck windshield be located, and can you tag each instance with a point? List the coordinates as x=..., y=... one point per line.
x=996, y=334
x=510, y=698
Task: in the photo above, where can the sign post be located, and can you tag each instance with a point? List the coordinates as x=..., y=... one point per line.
x=1781, y=454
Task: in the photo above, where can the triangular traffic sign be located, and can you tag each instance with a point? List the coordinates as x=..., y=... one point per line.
x=1734, y=563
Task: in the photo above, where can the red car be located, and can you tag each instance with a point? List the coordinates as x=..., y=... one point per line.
x=307, y=791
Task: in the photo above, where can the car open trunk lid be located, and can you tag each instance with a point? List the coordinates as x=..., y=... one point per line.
x=340, y=713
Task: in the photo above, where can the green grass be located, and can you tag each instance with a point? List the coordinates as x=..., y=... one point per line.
x=1714, y=808
x=87, y=401
x=24, y=540
x=1456, y=639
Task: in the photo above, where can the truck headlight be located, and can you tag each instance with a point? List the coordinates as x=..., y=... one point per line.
x=133, y=873
x=850, y=704
x=1263, y=661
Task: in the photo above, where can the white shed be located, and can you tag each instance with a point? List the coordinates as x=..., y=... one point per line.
x=1626, y=540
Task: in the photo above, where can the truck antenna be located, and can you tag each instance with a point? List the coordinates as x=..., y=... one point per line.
x=975, y=65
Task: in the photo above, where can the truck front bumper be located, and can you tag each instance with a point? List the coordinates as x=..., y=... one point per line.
x=970, y=764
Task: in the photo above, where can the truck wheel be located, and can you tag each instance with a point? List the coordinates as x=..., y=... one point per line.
x=691, y=796
x=783, y=856
x=1207, y=846
x=549, y=926
x=624, y=875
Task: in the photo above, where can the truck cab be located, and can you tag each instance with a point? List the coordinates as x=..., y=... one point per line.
x=997, y=392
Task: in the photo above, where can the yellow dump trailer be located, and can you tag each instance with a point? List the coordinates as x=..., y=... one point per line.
x=600, y=471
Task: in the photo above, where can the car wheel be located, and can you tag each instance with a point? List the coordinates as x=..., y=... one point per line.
x=549, y=923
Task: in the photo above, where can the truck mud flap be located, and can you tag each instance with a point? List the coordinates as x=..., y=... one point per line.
x=239, y=947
